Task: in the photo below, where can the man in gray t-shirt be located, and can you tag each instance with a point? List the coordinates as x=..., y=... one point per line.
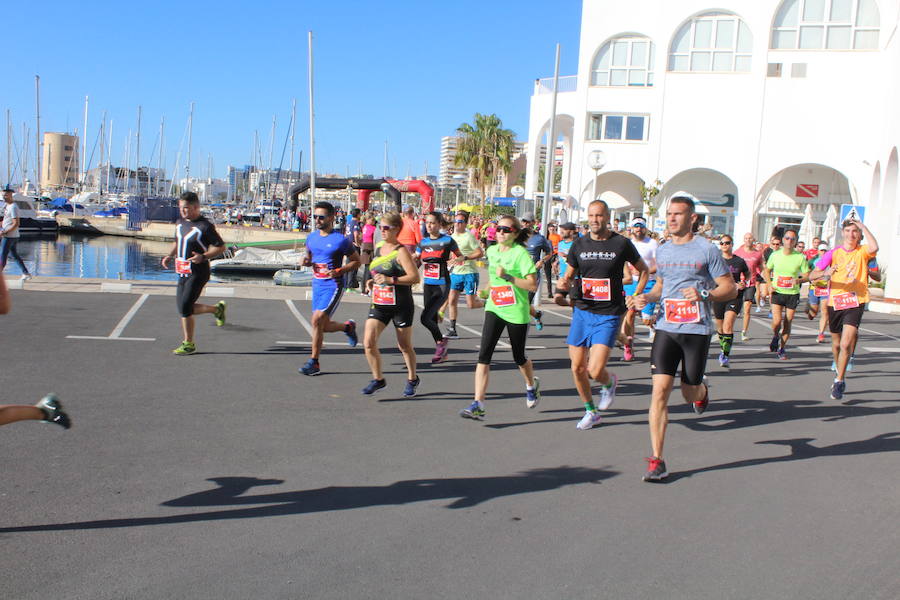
x=9, y=232
x=690, y=275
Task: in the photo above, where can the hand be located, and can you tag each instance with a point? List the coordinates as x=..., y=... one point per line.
x=369, y=284
x=501, y=272
x=636, y=302
x=564, y=284
x=379, y=278
x=197, y=258
x=307, y=261
x=165, y=261
x=335, y=273
x=690, y=294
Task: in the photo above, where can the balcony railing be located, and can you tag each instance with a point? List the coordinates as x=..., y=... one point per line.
x=568, y=83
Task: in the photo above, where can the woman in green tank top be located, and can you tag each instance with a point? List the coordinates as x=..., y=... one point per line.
x=394, y=273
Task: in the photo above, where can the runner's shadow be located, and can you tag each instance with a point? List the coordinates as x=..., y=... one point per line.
x=801, y=449
x=464, y=492
x=751, y=413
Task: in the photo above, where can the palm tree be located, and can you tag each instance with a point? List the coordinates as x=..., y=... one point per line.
x=486, y=149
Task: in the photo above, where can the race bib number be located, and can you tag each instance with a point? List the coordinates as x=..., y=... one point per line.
x=596, y=289
x=383, y=295
x=845, y=301
x=321, y=270
x=432, y=270
x=784, y=282
x=821, y=292
x=182, y=267
x=503, y=295
x=682, y=311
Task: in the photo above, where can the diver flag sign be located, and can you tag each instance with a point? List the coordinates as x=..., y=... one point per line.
x=852, y=211
x=807, y=190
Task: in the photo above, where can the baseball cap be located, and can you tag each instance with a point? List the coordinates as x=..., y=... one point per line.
x=823, y=246
x=638, y=222
x=569, y=226
x=529, y=216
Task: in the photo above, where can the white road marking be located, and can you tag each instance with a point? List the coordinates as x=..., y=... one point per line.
x=794, y=327
x=879, y=333
x=500, y=343
x=558, y=314
x=303, y=343
x=293, y=308
x=871, y=349
x=104, y=337
x=117, y=332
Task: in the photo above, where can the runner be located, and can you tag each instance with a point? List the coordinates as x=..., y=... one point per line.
x=196, y=243
x=784, y=271
x=537, y=245
x=394, y=273
x=49, y=409
x=512, y=277
x=691, y=273
x=646, y=247
x=847, y=266
x=765, y=290
x=597, y=261
x=325, y=251
x=411, y=234
x=754, y=260
x=549, y=265
x=464, y=276
x=434, y=251
x=9, y=234
x=818, y=290
x=726, y=312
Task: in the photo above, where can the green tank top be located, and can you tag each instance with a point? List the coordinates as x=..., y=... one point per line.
x=387, y=264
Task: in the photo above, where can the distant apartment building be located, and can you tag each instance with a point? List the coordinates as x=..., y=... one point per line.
x=452, y=175
x=60, y=168
x=145, y=181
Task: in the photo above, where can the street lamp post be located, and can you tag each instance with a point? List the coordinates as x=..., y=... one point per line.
x=596, y=160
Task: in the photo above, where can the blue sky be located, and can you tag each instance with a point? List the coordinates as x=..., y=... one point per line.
x=404, y=71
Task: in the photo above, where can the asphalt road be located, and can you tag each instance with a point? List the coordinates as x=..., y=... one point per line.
x=228, y=475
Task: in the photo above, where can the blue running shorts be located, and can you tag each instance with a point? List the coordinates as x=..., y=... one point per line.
x=648, y=311
x=589, y=329
x=326, y=295
x=467, y=283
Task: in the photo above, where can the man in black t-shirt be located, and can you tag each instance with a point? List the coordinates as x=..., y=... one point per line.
x=196, y=242
x=596, y=262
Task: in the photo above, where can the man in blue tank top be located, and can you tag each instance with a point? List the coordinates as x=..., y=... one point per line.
x=325, y=252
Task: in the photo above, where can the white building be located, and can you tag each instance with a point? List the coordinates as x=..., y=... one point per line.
x=765, y=111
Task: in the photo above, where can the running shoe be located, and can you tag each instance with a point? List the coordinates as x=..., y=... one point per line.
x=820, y=338
x=538, y=324
x=310, y=368
x=769, y=316
x=590, y=419
x=782, y=355
x=758, y=308
x=723, y=359
x=452, y=335
x=628, y=354
x=651, y=336
x=608, y=393
x=374, y=386
x=837, y=390
x=185, y=348
x=352, y=338
x=219, y=313
x=410, y=390
x=473, y=411
x=26, y=277
x=533, y=396
x=53, y=411
x=656, y=469
x=440, y=352
x=700, y=405
x=745, y=336
x=773, y=345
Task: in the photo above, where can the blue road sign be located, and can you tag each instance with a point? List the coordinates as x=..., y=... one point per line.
x=853, y=211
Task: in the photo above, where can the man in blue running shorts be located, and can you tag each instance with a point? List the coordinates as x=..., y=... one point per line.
x=325, y=252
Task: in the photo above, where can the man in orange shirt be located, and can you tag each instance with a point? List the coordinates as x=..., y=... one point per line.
x=410, y=235
x=847, y=266
x=551, y=263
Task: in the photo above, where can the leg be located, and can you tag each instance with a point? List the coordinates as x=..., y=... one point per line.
x=11, y=413
x=405, y=344
x=16, y=257
x=776, y=319
x=659, y=412
x=374, y=327
x=490, y=334
x=452, y=306
x=433, y=297
x=322, y=324
x=746, y=324
x=187, y=328
x=786, y=327
x=598, y=357
x=578, y=355
x=482, y=376
x=846, y=344
x=518, y=335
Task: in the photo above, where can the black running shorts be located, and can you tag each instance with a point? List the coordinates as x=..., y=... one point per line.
x=402, y=313
x=749, y=294
x=189, y=290
x=849, y=316
x=789, y=301
x=720, y=308
x=686, y=349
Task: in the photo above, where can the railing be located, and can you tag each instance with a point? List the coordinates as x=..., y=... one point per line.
x=568, y=83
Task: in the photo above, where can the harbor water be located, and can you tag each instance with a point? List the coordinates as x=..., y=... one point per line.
x=106, y=256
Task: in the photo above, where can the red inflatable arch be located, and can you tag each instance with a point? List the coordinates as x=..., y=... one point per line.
x=418, y=186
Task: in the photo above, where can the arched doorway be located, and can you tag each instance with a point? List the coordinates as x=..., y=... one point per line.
x=562, y=157
x=715, y=194
x=621, y=190
x=792, y=192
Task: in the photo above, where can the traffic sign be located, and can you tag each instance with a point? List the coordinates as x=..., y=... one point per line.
x=517, y=190
x=852, y=211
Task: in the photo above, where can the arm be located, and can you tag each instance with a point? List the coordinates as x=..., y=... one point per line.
x=211, y=252
x=352, y=264
x=725, y=290
x=871, y=242
x=527, y=283
x=173, y=252
x=409, y=265
x=644, y=271
x=639, y=301
x=15, y=225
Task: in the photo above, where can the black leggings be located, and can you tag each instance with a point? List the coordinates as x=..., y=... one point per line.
x=189, y=290
x=433, y=297
x=688, y=349
x=490, y=335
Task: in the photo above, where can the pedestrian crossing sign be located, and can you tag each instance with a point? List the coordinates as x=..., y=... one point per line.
x=852, y=211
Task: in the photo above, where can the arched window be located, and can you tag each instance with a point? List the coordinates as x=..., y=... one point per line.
x=712, y=42
x=826, y=25
x=625, y=61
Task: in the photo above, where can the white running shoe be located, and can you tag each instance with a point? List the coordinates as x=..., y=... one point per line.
x=608, y=394
x=26, y=277
x=589, y=419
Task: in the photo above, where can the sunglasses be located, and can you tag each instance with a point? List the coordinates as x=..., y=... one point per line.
x=505, y=229
x=320, y=217
x=459, y=221
x=387, y=227
x=790, y=239
x=726, y=243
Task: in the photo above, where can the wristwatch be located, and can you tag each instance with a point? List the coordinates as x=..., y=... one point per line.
x=704, y=294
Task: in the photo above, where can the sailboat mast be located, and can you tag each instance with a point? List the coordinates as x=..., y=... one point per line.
x=159, y=161
x=187, y=168
x=37, y=133
x=137, y=154
x=84, y=164
x=293, y=129
x=8, y=148
x=312, y=130
x=109, y=155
